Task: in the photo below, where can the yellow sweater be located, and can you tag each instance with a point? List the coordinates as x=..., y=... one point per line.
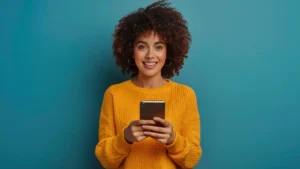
x=121, y=106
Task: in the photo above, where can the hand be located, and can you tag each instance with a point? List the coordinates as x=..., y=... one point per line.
x=134, y=131
x=164, y=134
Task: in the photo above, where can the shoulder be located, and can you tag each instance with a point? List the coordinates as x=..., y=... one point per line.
x=117, y=88
x=184, y=88
x=187, y=95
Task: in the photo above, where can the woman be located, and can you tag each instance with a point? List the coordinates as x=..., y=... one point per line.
x=150, y=45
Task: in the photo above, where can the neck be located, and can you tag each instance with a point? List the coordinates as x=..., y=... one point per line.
x=149, y=82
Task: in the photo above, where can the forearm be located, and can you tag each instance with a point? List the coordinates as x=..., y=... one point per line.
x=184, y=152
x=112, y=151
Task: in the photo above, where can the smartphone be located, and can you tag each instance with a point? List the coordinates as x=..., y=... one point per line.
x=152, y=108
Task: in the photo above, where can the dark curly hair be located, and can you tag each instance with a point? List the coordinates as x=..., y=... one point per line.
x=164, y=20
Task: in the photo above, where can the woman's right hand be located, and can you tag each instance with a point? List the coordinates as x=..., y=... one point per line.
x=134, y=132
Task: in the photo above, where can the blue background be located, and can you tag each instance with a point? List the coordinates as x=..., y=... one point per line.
x=56, y=61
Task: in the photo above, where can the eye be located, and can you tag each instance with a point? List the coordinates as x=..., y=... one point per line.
x=159, y=47
x=141, y=47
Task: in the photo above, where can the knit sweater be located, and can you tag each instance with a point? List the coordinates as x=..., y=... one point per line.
x=120, y=106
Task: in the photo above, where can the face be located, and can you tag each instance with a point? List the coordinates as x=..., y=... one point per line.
x=150, y=54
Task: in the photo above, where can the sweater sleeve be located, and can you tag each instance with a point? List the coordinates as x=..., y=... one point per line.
x=112, y=148
x=186, y=150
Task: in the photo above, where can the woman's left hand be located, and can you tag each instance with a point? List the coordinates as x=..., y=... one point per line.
x=164, y=134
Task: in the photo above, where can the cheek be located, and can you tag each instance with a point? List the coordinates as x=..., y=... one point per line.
x=162, y=56
x=163, y=61
x=137, y=55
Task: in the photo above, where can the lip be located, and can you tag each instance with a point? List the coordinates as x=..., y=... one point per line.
x=149, y=65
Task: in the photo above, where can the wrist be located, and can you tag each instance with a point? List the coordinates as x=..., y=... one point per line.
x=125, y=136
x=172, y=138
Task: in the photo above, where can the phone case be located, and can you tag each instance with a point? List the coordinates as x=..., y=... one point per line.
x=150, y=109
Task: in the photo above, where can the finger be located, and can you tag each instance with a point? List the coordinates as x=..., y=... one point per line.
x=143, y=122
x=141, y=138
x=138, y=134
x=156, y=135
x=164, y=141
x=155, y=129
x=162, y=121
x=136, y=128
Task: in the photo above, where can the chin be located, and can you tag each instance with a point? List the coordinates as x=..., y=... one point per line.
x=151, y=73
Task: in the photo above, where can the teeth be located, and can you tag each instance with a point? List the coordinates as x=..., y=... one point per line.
x=149, y=64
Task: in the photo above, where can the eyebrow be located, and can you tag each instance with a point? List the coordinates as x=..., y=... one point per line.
x=146, y=43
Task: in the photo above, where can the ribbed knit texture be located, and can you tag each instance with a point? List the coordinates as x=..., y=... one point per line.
x=121, y=106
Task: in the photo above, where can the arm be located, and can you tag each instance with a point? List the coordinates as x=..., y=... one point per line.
x=112, y=148
x=185, y=150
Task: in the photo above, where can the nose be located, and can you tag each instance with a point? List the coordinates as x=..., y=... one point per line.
x=150, y=54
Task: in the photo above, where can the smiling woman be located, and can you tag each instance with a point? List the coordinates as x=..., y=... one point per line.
x=150, y=45
x=158, y=20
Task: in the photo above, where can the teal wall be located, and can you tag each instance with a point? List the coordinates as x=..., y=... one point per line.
x=56, y=61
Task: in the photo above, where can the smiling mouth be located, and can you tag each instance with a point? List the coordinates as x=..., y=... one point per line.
x=149, y=65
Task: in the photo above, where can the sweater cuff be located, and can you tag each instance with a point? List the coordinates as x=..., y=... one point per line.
x=121, y=145
x=178, y=145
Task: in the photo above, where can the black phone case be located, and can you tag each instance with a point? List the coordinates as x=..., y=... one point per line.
x=148, y=110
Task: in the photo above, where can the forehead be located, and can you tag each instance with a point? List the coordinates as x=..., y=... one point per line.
x=149, y=36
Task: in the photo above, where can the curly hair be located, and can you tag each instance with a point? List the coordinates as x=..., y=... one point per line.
x=164, y=20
